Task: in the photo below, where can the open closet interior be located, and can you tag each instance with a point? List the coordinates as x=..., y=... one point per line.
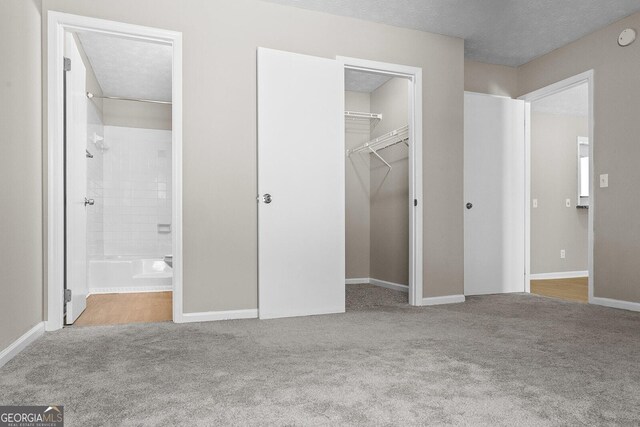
x=377, y=188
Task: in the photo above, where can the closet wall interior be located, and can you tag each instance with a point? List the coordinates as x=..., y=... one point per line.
x=377, y=177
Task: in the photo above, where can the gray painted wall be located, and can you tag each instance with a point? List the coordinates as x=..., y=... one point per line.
x=553, y=180
x=220, y=39
x=357, y=189
x=390, y=188
x=489, y=78
x=21, y=244
x=220, y=213
x=136, y=114
x=616, y=147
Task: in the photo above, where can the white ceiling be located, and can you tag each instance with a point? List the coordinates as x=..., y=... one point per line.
x=508, y=32
x=360, y=81
x=572, y=102
x=129, y=68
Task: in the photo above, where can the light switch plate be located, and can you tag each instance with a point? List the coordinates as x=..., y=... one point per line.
x=567, y=203
x=604, y=180
x=535, y=203
x=563, y=254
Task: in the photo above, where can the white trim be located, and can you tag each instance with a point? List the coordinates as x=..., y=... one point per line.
x=130, y=290
x=557, y=87
x=358, y=281
x=586, y=77
x=490, y=95
x=527, y=197
x=58, y=23
x=377, y=282
x=414, y=75
x=389, y=285
x=176, y=178
x=448, y=299
x=208, y=316
x=559, y=275
x=615, y=303
x=21, y=343
x=295, y=312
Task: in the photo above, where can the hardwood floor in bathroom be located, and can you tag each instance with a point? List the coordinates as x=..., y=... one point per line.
x=572, y=289
x=115, y=309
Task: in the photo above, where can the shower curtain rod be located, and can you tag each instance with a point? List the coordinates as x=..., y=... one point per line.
x=120, y=98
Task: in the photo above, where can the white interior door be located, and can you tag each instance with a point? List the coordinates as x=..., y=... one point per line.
x=76, y=183
x=494, y=191
x=301, y=224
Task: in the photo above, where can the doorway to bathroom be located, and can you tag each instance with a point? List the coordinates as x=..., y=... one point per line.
x=114, y=137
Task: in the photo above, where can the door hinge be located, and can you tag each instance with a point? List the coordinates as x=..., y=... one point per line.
x=67, y=295
x=415, y=202
x=67, y=64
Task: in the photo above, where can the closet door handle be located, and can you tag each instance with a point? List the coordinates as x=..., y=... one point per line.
x=469, y=205
x=267, y=198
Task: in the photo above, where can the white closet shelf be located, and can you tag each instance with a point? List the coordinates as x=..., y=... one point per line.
x=394, y=137
x=358, y=115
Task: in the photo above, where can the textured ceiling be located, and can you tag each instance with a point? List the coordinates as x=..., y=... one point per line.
x=360, y=81
x=129, y=68
x=508, y=32
x=572, y=102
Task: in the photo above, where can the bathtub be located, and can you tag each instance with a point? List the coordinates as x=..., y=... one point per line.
x=128, y=274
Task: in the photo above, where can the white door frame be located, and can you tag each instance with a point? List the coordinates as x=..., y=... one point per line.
x=58, y=23
x=414, y=75
x=586, y=77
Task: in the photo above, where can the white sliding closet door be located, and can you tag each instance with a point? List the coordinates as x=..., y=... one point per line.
x=494, y=191
x=76, y=182
x=301, y=213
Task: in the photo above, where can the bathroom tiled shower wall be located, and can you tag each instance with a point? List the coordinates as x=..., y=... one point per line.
x=95, y=130
x=136, y=192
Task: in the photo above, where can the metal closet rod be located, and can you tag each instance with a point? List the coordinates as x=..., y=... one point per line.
x=120, y=98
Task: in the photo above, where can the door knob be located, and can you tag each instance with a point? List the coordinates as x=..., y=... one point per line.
x=267, y=198
x=89, y=202
x=469, y=205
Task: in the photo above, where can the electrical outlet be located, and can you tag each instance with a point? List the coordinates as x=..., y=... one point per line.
x=535, y=203
x=567, y=203
x=604, y=180
x=563, y=254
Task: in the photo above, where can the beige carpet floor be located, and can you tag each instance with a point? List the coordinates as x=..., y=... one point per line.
x=495, y=360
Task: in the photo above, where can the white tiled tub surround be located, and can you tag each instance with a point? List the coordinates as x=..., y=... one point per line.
x=129, y=274
x=135, y=199
x=137, y=191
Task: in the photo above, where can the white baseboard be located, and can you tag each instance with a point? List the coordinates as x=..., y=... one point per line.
x=389, y=285
x=302, y=313
x=360, y=281
x=130, y=290
x=559, y=275
x=615, y=303
x=21, y=343
x=447, y=299
x=208, y=316
x=377, y=282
